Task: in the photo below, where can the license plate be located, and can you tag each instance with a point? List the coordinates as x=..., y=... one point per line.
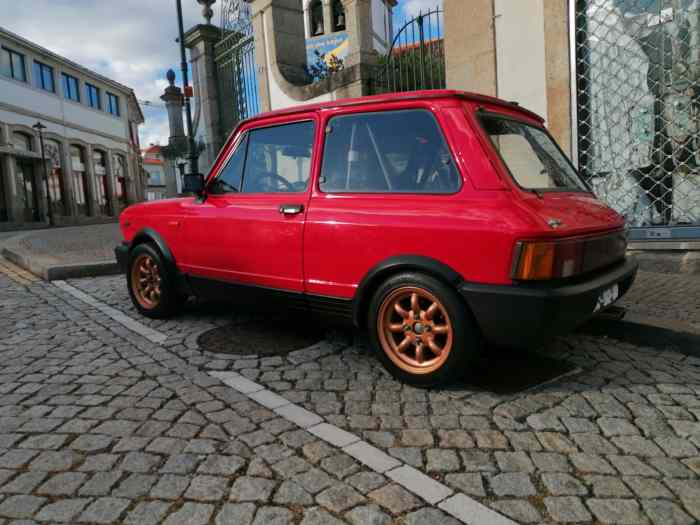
x=607, y=297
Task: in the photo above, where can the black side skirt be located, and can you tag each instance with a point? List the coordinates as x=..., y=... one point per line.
x=331, y=310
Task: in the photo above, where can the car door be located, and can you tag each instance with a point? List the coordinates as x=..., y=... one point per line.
x=248, y=229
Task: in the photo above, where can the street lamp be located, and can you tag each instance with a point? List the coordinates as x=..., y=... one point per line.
x=40, y=129
x=185, y=82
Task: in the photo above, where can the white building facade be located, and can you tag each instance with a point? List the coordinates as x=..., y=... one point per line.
x=91, y=145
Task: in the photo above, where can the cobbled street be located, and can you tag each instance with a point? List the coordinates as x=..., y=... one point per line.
x=108, y=417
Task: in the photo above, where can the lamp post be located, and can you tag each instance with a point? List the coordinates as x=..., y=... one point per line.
x=185, y=83
x=40, y=129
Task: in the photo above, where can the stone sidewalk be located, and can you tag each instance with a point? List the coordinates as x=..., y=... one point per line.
x=108, y=417
x=63, y=253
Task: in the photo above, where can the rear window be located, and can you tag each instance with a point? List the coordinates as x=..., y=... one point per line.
x=531, y=155
x=387, y=152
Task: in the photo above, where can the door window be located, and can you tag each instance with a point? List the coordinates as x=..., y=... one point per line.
x=231, y=176
x=279, y=159
x=387, y=152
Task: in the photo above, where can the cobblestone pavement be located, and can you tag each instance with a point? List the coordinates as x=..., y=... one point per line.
x=99, y=425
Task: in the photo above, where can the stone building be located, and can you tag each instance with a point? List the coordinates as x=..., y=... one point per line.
x=90, y=142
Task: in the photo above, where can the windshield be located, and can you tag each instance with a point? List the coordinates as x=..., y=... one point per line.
x=531, y=156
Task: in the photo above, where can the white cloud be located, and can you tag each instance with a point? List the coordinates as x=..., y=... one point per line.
x=130, y=41
x=415, y=7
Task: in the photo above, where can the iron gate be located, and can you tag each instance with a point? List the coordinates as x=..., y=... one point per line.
x=236, y=69
x=638, y=99
x=416, y=58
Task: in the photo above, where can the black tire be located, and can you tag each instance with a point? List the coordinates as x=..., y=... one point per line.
x=169, y=301
x=465, y=336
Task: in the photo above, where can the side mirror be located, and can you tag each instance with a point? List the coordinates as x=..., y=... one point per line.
x=193, y=183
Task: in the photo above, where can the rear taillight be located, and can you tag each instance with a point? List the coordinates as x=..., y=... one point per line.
x=541, y=260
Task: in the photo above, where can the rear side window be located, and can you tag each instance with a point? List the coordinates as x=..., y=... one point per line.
x=387, y=152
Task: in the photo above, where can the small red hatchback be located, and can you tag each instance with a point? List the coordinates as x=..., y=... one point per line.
x=435, y=220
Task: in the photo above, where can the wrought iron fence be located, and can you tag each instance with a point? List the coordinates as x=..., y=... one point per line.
x=236, y=68
x=638, y=98
x=416, y=57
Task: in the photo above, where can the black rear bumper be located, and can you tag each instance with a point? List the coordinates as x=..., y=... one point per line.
x=121, y=252
x=526, y=315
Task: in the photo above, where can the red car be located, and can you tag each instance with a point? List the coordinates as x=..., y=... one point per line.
x=435, y=220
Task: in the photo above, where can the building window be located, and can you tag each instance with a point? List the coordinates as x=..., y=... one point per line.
x=22, y=141
x=12, y=64
x=71, y=89
x=113, y=104
x=338, y=16
x=92, y=96
x=79, y=179
x=43, y=77
x=316, y=12
x=99, y=162
x=120, y=176
x=53, y=156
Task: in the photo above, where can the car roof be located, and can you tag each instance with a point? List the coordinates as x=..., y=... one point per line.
x=398, y=97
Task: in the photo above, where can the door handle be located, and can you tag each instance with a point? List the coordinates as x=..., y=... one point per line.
x=291, y=209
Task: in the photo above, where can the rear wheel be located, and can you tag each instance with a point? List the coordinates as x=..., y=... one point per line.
x=421, y=330
x=151, y=289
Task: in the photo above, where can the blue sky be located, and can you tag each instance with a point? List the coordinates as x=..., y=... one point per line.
x=130, y=41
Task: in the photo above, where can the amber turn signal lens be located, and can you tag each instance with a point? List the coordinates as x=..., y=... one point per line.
x=536, y=261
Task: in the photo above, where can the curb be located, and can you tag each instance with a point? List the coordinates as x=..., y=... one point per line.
x=57, y=272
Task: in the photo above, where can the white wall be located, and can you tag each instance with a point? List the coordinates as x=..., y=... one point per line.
x=520, y=54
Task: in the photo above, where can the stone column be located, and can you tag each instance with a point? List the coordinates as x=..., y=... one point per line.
x=558, y=67
x=9, y=179
x=67, y=174
x=201, y=41
x=327, y=17
x=90, y=171
x=470, y=46
x=361, y=53
x=112, y=204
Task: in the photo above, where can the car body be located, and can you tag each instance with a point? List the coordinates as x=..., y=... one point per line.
x=316, y=208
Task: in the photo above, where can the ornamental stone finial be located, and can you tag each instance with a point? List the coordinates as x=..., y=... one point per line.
x=170, y=75
x=207, y=12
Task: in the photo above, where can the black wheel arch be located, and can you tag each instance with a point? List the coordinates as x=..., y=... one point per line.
x=392, y=266
x=149, y=235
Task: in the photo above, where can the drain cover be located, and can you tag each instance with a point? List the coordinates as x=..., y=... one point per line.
x=260, y=337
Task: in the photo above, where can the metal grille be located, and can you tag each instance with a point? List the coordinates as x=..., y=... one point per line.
x=638, y=99
x=236, y=69
x=416, y=58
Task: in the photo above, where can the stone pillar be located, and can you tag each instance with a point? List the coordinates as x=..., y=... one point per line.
x=361, y=53
x=470, y=46
x=90, y=171
x=67, y=175
x=112, y=204
x=558, y=68
x=173, y=104
x=9, y=180
x=327, y=17
x=201, y=41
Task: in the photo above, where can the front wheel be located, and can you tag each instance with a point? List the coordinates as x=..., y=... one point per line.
x=152, y=291
x=421, y=330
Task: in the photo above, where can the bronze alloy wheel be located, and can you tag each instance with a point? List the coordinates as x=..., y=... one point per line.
x=414, y=330
x=145, y=281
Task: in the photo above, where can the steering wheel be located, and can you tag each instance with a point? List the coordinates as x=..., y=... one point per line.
x=281, y=181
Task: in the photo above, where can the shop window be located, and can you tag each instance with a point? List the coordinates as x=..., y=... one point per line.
x=79, y=179
x=22, y=141
x=52, y=150
x=120, y=177
x=99, y=162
